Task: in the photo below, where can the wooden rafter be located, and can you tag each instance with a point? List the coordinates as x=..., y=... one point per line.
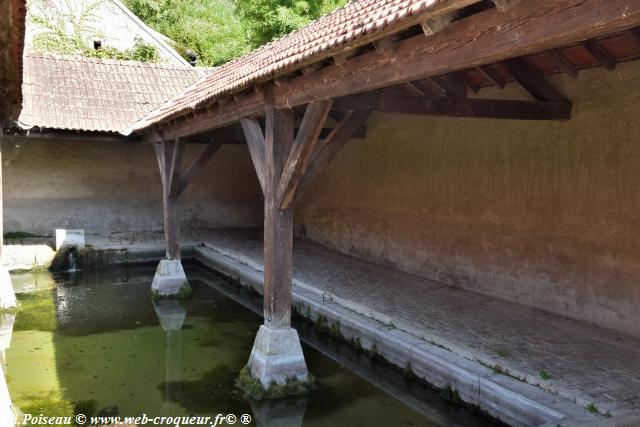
x=457, y=107
x=490, y=74
x=563, y=62
x=600, y=54
x=536, y=85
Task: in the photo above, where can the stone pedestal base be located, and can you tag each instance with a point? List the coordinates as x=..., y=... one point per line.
x=7, y=297
x=277, y=356
x=170, y=279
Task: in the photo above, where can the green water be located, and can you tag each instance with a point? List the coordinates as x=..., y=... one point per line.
x=95, y=343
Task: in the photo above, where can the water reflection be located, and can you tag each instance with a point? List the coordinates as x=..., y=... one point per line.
x=171, y=315
x=99, y=342
x=279, y=413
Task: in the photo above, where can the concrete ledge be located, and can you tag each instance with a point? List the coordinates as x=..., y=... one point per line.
x=503, y=397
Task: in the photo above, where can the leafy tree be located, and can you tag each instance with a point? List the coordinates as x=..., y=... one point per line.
x=66, y=27
x=211, y=29
x=265, y=20
x=220, y=30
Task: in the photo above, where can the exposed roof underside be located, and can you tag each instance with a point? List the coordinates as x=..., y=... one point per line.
x=87, y=94
x=350, y=26
x=12, y=15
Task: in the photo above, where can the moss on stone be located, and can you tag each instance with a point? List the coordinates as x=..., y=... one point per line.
x=185, y=292
x=253, y=388
x=37, y=312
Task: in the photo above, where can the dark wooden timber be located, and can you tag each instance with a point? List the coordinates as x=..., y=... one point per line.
x=289, y=163
x=535, y=84
x=255, y=141
x=169, y=155
x=278, y=223
x=600, y=54
x=457, y=107
x=563, y=62
x=330, y=147
x=196, y=166
x=301, y=152
x=484, y=38
x=491, y=75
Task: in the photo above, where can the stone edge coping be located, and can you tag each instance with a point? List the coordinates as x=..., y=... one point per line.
x=437, y=362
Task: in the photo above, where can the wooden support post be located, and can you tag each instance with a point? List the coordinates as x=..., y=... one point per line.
x=278, y=224
x=285, y=163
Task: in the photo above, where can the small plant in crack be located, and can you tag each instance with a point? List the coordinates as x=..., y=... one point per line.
x=504, y=353
x=545, y=375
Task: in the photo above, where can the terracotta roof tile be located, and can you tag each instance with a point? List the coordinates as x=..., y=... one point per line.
x=333, y=32
x=77, y=93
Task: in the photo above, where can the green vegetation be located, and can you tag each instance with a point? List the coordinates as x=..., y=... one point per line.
x=16, y=235
x=218, y=31
x=266, y=20
x=37, y=312
x=254, y=389
x=591, y=407
x=545, y=375
x=66, y=28
x=504, y=353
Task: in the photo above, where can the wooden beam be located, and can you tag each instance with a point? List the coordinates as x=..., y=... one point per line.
x=634, y=34
x=196, y=166
x=484, y=38
x=386, y=44
x=278, y=224
x=490, y=74
x=326, y=152
x=454, y=84
x=600, y=54
x=166, y=153
x=563, y=62
x=456, y=107
x=504, y=5
x=413, y=89
x=176, y=163
x=536, y=85
x=255, y=141
x=303, y=147
x=436, y=24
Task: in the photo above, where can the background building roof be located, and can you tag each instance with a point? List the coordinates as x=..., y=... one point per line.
x=88, y=94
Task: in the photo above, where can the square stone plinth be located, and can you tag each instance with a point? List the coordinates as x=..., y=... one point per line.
x=169, y=278
x=277, y=356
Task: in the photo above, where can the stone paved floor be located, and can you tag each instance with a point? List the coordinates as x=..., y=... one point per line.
x=585, y=363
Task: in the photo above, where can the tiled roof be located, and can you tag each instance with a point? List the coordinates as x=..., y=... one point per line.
x=88, y=94
x=320, y=39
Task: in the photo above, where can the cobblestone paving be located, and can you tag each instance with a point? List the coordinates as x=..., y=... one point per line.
x=577, y=360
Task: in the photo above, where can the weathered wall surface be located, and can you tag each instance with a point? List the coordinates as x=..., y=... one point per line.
x=544, y=213
x=115, y=187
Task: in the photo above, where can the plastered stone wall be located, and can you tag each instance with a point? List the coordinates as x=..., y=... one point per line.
x=543, y=213
x=107, y=187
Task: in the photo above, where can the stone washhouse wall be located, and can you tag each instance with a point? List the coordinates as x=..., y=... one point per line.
x=543, y=213
x=109, y=187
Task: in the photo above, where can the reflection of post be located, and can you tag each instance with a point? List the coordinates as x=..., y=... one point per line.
x=279, y=413
x=171, y=315
x=6, y=407
x=7, y=297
